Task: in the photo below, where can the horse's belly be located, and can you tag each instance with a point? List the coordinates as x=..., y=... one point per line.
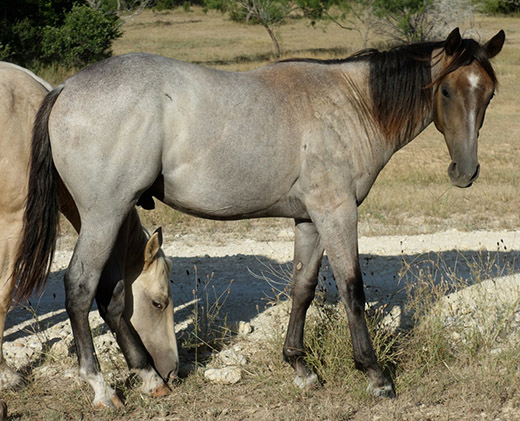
x=230, y=196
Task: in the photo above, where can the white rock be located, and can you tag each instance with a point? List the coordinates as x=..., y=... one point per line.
x=61, y=348
x=230, y=357
x=244, y=328
x=226, y=375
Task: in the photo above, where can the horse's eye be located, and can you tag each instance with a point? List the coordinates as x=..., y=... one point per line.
x=445, y=92
x=157, y=305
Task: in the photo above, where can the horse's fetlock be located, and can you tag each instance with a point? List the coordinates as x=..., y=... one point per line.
x=291, y=355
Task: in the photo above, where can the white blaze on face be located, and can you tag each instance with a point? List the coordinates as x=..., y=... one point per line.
x=473, y=79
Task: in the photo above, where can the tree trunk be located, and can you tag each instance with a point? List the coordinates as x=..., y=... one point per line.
x=277, y=51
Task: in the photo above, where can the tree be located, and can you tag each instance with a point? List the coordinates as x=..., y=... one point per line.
x=420, y=20
x=354, y=15
x=268, y=13
x=397, y=20
x=21, y=23
x=498, y=6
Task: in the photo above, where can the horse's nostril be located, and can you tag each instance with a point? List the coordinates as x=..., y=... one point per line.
x=171, y=377
x=452, y=170
x=476, y=173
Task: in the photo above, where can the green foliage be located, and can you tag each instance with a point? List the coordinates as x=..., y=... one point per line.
x=165, y=4
x=263, y=12
x=499, y=6
x=85, y=37
x=317, y=10
x=173, y=4
x=20, y=27
x=65, y=32
x=4, y=52
x=407, y=16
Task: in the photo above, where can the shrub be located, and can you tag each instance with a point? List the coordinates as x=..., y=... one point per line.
x=499, y=6
x=85, y=37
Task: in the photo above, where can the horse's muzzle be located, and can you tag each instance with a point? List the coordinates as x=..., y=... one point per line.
x=462, y=178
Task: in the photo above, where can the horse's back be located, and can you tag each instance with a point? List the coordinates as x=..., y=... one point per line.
x=20, y=98
x=224, y=141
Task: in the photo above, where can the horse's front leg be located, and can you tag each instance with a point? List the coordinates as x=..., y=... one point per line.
x=307, y=258
x=338, y=231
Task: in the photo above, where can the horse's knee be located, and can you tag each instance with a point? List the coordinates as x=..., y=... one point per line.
x=78, y=298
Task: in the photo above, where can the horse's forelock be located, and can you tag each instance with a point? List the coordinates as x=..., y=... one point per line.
x=469, y=51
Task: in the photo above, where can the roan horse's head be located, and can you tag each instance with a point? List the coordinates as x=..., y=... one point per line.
x=464, y=83
x=150, y=308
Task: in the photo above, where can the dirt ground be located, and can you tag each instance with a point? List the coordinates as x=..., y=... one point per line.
x=255, y=270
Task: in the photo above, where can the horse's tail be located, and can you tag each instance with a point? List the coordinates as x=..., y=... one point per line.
x=41, y=217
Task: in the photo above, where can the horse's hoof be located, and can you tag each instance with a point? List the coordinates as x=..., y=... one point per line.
x=385, y=391
x=306, y=382
x=118, y=403
x=114, y=402
x=160, y=391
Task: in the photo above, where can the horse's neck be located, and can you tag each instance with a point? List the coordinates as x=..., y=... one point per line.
x=426, y=117
x=394, y=87
x=137, y=239
x=418, y=127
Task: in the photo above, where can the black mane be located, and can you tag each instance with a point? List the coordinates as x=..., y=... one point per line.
x=400, y=80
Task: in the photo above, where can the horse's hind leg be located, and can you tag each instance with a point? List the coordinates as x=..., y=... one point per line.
x=308, y=252
x=91, y=253
x=8, y=247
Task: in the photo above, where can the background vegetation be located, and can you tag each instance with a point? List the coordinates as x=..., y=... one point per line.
x=75, y=33
x=436, y=377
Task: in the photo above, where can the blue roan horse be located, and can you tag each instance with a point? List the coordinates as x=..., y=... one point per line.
x=301, y=139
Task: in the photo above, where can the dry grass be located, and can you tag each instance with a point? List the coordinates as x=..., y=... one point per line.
x=437, y=377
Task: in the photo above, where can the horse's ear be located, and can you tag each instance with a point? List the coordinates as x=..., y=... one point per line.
x=495, y=44
x=452, y=42
x=153, y=246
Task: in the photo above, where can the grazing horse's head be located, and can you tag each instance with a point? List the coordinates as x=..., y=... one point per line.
x=150, y=308
x=464, y=83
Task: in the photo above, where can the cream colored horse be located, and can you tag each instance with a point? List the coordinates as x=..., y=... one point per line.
x=147, y=302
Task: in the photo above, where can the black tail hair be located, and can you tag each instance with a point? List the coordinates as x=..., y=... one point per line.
x=41, y=217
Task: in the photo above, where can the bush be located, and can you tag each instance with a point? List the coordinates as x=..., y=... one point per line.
x=85, y=37
x=21, y=24
x=499, y=6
